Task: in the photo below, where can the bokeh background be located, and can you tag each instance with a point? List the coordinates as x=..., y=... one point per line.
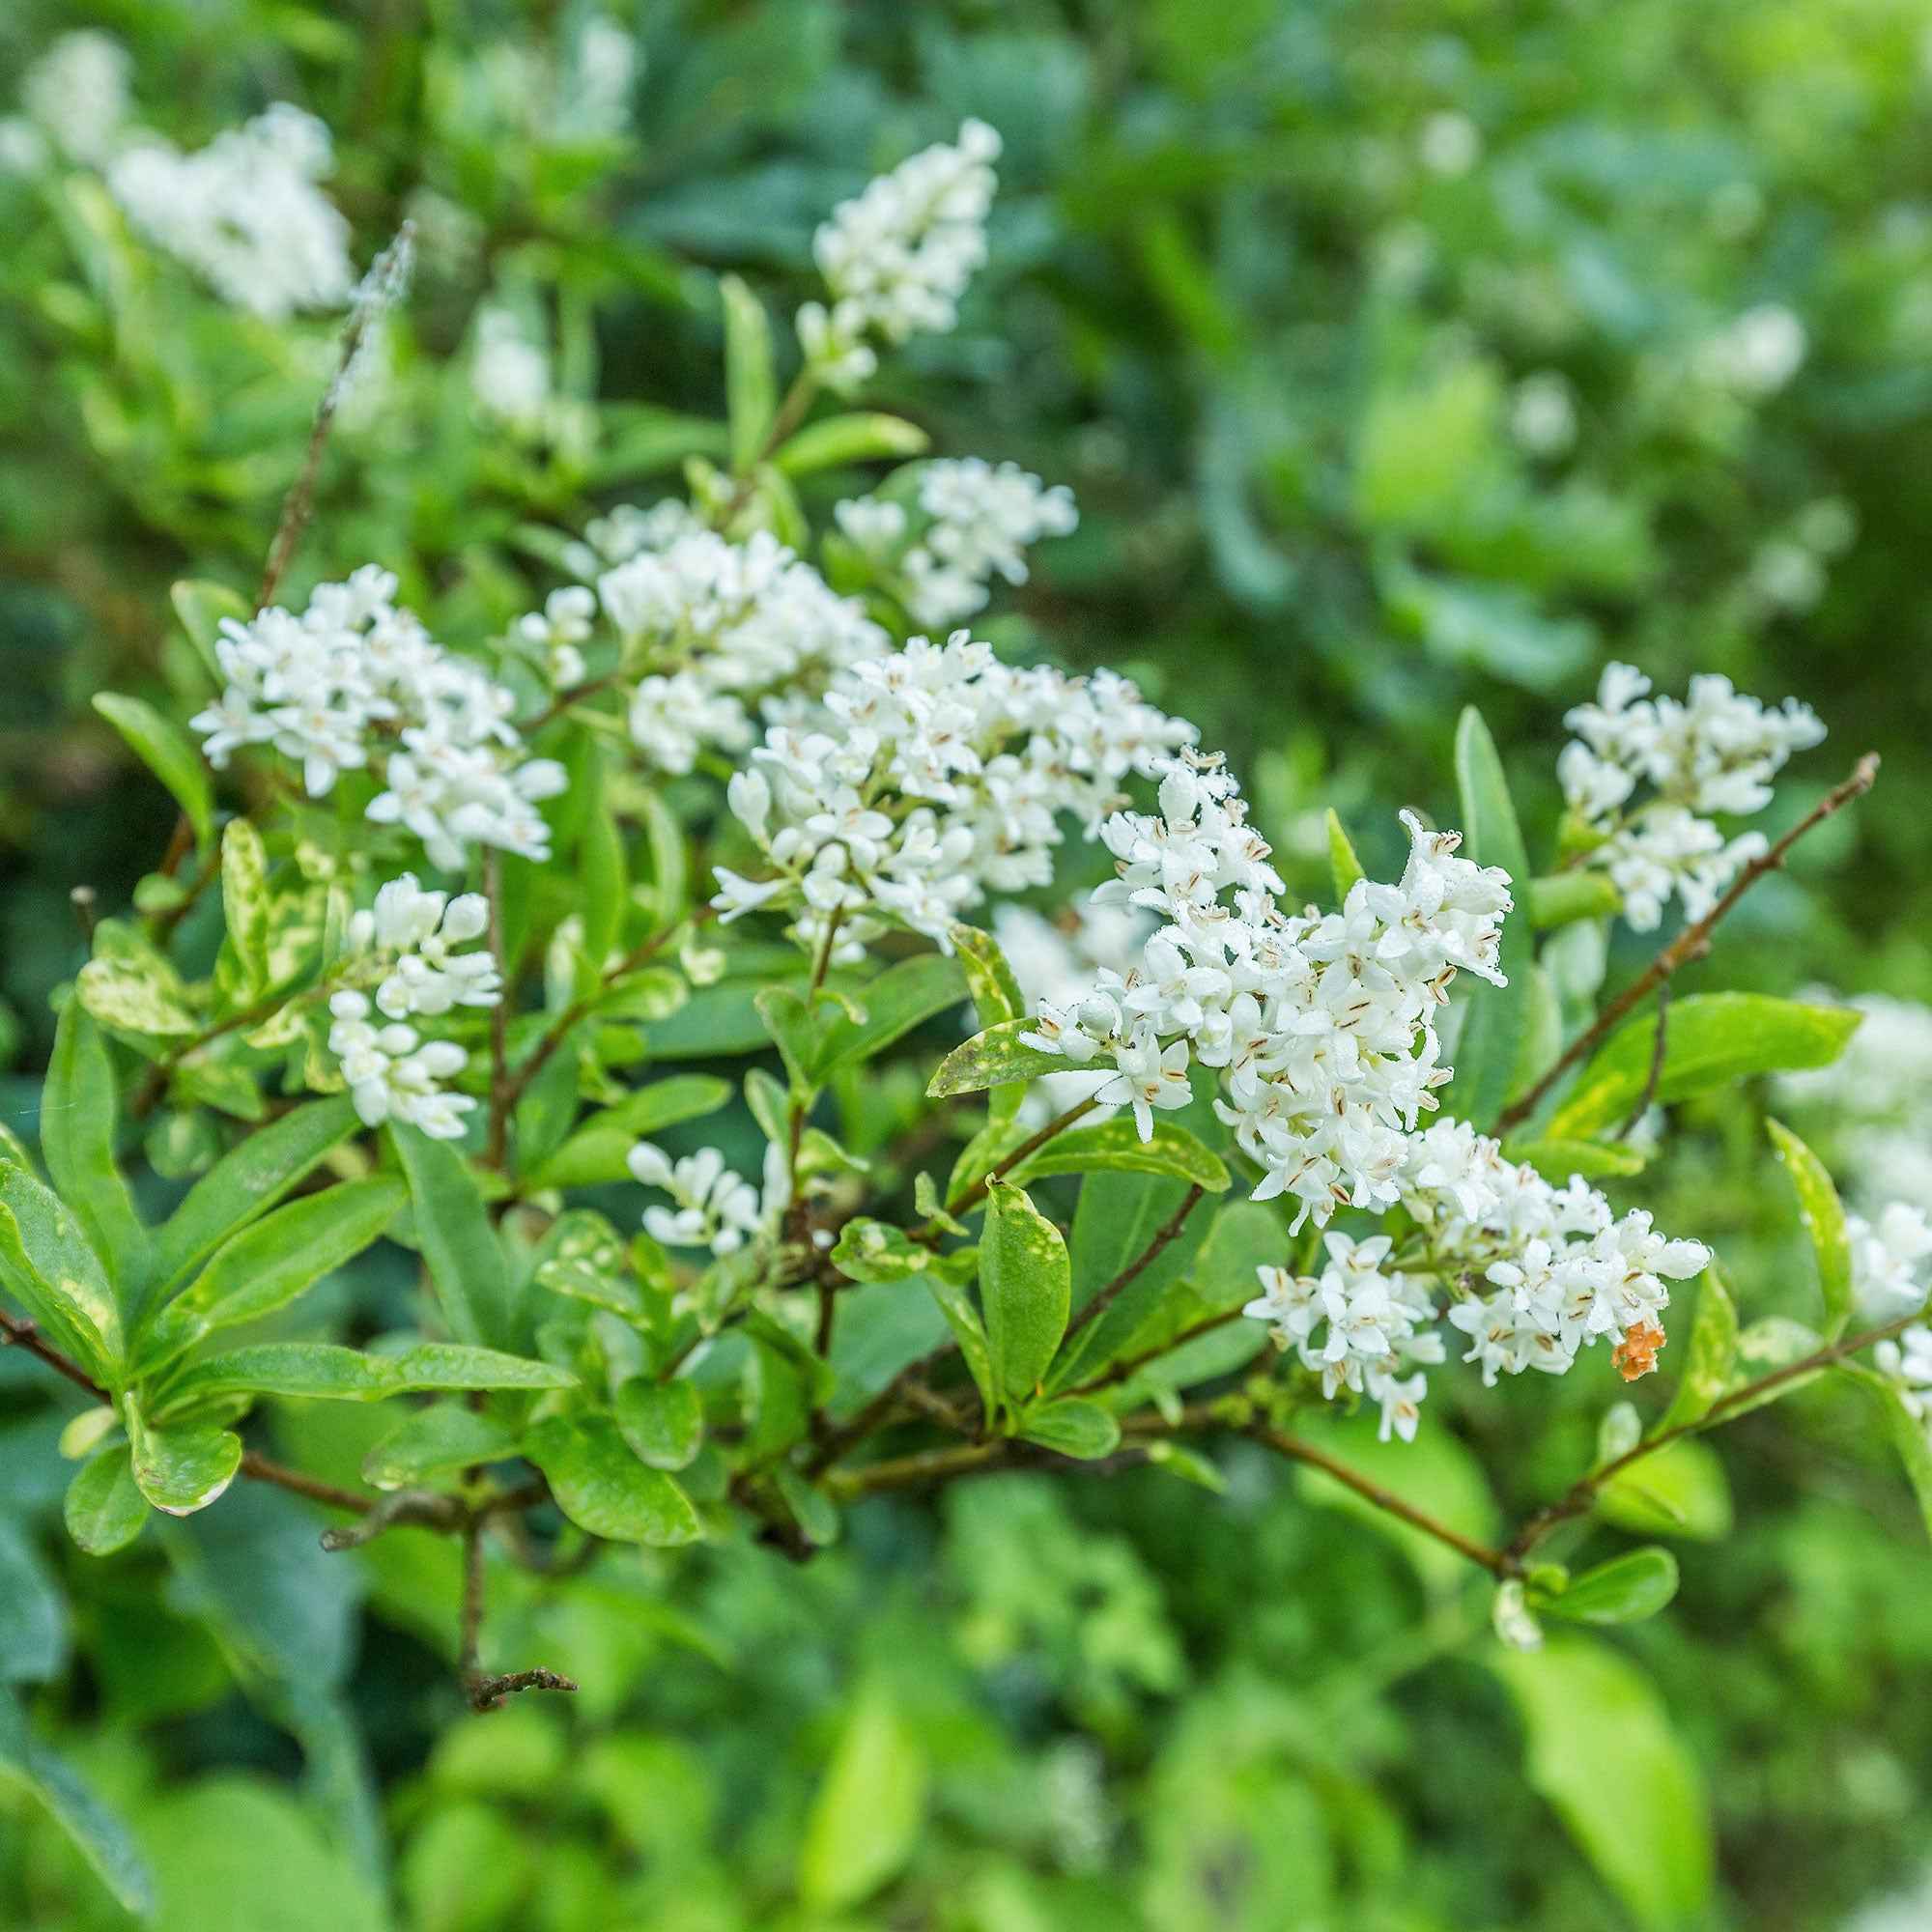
x=1399, y=356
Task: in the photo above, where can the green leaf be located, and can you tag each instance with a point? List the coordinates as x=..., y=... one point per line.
x=598, y=1153
x=812, y=1508
x=900, y=999
x=1602, y=1754
x=101, y=1837
x=1678, y=1491
x=989, y=978
x=867, y=1815
x=1908, y=1434
x=861, y=436
x=992, y=1057
x=1344, y=868
x=104, y=1509
x=166, y=750
x=439, y=1440
x=134, y=991
x=1564, y=897
x=605, y=887
x=1116, y=1146
x=1771, y=1343
x=970, y=1334
x=244, y=900
x=1595, y=1160
x=327, y=1372
x=603, y=1488
x=247, y=1182
x=47, y=1264
x=464, y=1257
x=1071, y=1427
x=1493, y=1018
x=751, y=385
x=1025, y=1287
x=77, y=1118
x=33, y=1619
x=1625, y=1590
x=1823, y=1215
x=875, y=1250
x=639, y=438
x=1712, y=1354
x=1711, y=1040
x=788, y=1019
x=269, y=1264
x=202, y=606
x=662, y=1422
x=184, y=1468
x=1113, y=1225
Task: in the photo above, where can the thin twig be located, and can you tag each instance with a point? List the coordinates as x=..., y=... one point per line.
x=968, y=1197
x=1129, y=1366
x=17, y=1334
x=373, y=299
x=1163, y=1237
x=580, y=1008
x=486, y=1693
x=1688, y=945
x=1583, y=1494
x=1656, y=1073
x=1496, y=1562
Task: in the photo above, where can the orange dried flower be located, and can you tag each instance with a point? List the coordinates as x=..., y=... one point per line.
x=1636, y=1353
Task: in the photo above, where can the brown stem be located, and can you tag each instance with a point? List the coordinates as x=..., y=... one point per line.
x=1584, y=1493
x=1657, y=1052
x=299, y=503
x=15, y=1333
x=1688, y=945
x=1163, y=1237
x=1497, y=1562
x=485, y=1692
x=967, y=1197
x=155, y=1082
x=299, y=1483
x=579, y=1008
x=1129, y=1366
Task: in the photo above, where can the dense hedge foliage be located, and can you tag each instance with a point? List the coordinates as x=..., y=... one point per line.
x=1400, y=358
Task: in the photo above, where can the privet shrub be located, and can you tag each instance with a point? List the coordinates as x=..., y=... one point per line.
x=457, y=938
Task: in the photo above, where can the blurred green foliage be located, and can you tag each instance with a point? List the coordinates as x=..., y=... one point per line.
x=1392, y=351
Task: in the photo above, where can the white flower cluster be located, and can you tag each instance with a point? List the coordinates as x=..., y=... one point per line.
x=898, y=258
x=393, y=1073
x=1562, y=1270
x=981, y=519
x=416, y=934
x=630, y=530
x=716, y=1208
x=930, y=777
x=1057, y=962
x=1319, y=1024
x=566, y=620
x=1886, y=1254
x=245, y=212
x=1717, y=752
x=335, y=687
x=1878, y=1097
x=718, y=624
x=74, y=96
